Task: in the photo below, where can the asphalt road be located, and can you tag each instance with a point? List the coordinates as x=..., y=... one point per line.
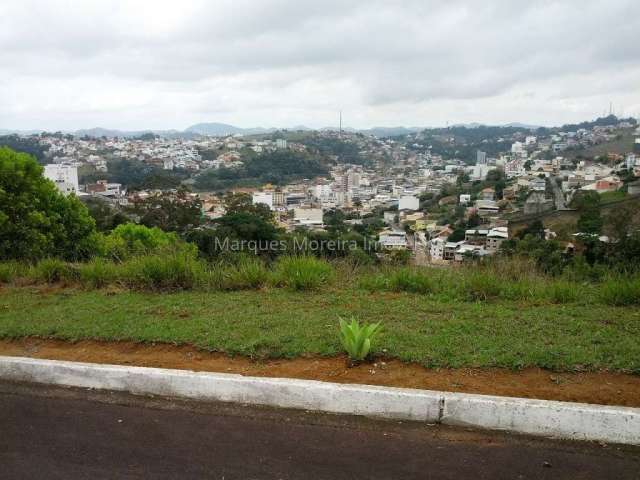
x=50, y=433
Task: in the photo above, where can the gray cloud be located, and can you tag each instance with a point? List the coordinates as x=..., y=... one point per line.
x=69, y=64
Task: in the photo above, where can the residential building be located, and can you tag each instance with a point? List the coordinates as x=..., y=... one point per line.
x=393, y=239
x=65, y=177
x=263, y=197
x=409, y=202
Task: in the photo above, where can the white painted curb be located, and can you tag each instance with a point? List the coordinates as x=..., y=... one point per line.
x=400, y=403
x=576, y=421
x=536, y=417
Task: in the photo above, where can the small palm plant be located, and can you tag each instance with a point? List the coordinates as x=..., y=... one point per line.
x=356, y=338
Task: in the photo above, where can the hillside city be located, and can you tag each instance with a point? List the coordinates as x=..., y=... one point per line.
x=443, y=195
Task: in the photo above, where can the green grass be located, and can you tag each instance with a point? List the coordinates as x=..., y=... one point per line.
x=303, y=273
x=609, y=197
x=434, y=331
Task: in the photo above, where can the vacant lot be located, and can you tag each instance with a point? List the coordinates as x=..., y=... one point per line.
x=281, y=323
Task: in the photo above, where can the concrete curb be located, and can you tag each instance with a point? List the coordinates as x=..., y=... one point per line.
x=536, y=417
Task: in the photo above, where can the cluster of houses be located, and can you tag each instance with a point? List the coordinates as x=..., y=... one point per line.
x=391, y=182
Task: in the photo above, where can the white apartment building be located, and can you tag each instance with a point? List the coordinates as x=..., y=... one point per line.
x=263, y=197
x=65, y=177
x=436, y=248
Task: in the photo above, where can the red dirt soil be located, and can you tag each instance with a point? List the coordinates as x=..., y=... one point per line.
x=603, y=388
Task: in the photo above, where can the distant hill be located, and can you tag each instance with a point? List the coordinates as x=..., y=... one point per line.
x=506, y=125
x=110, y=133
x=220, y=129
x=522, y=125
x=390, y=131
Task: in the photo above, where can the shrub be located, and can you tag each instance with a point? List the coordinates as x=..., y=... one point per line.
x=164, y=272
x=98, y=273
x=214, y=278
x=9, y=271
x=249, y=273
x=303, y=273
x=411, y=280
x=129, y=240
x=356, y=339
x=52, y=270
x=620, y=292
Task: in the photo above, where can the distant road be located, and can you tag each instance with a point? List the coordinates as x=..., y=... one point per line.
x=557, y=193
x=48, y=433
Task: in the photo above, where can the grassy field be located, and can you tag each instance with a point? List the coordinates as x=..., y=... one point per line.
x=575, y=335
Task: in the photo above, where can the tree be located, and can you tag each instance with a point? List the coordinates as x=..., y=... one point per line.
x=106, y=217
x=535, y=229
x=36, y=220
x=473, y=221
x=457, y=235
x=30, y=145
x=170, y=212
x=590, y=220
x=242, y=203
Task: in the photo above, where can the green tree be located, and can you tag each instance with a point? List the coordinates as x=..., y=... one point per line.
x=590, y=220
x=106, y=217
x=457, y=235
x=36, y=220
x=170, y=212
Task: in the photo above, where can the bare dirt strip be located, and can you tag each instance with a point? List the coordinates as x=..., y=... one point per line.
x=604, y=388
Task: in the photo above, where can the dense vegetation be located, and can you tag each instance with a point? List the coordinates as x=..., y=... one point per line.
x=278, y=168
x=345, y=152
x=136, y=175
x=36, y=220
x=29, y=145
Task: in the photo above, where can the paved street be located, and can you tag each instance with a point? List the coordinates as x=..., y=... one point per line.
x=51, y=433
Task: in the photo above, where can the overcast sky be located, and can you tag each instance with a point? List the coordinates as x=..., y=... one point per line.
x=138, y=64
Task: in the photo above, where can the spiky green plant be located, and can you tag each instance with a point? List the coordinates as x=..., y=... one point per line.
x=357, y=338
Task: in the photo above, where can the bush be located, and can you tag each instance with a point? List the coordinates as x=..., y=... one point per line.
x=129, y=240
x=52, y=270
x=10, y=271
x=356, y=339
x=249, y=273
x=303, y=273
x=98, y=273
x=411, y=280
x=620, y=292
x=164, y=272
